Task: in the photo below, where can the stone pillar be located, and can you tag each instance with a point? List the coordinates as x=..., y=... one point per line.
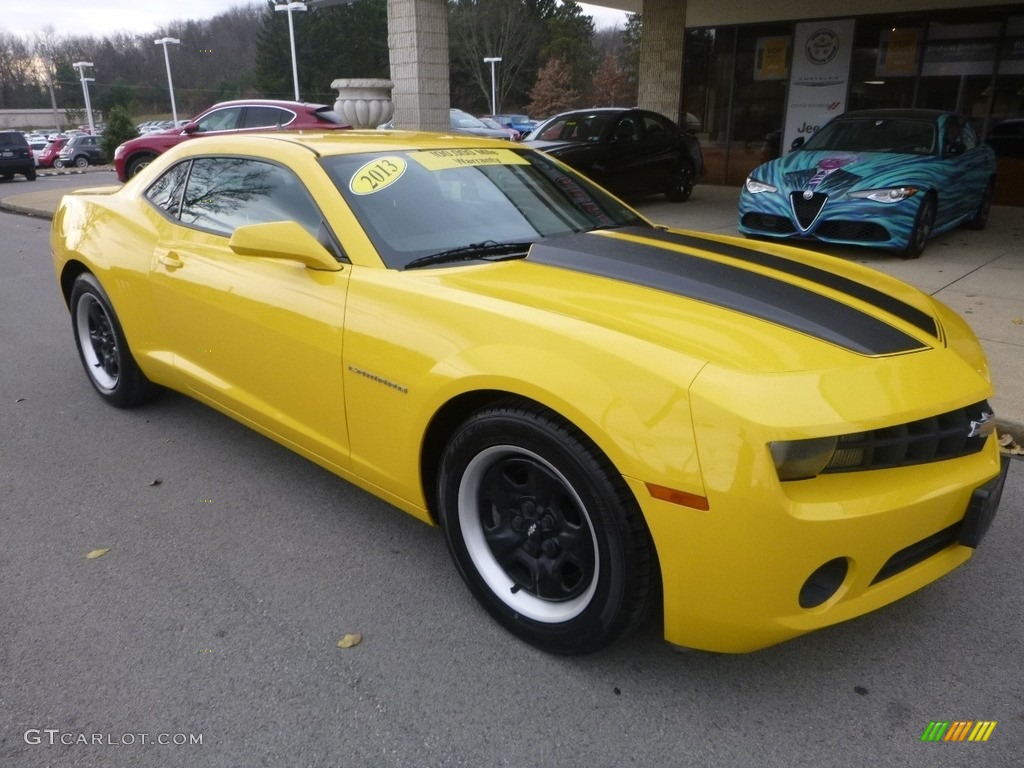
x=660, y=83
x=418, y=45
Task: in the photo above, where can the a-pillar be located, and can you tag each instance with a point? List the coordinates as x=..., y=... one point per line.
x=660, y=81
x=418, y=44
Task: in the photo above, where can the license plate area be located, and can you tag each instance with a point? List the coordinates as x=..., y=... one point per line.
x=981, y=510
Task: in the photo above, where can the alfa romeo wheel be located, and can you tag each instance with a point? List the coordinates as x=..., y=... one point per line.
x=924, y=222
x=544, y=531
x=102, y=347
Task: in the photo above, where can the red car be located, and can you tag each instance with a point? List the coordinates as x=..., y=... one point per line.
x=226, y=117
x=48, y=158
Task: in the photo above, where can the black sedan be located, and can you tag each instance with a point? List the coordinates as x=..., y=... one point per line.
x=631, y=152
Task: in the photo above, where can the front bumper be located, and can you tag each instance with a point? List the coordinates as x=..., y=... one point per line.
x=734, y=577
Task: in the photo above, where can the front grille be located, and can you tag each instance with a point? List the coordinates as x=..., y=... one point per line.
x=861, y=231
x=806, y=211
x=937, y=438
x=767, y=222
x=918, y=552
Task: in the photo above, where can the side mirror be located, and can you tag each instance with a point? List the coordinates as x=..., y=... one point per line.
x=797, y=143
x=284, y=240
x=955, y=148
x=190, y=128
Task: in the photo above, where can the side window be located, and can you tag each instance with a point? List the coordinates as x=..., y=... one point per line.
x=165, y=192
x=221, y=120
x=266, y=117
x=968, y=136
x=228, y=192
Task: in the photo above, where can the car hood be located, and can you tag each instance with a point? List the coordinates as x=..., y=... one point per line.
x=713, y=298
x=837, y=172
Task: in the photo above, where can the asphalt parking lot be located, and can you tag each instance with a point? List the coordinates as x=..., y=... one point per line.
x=206, y=634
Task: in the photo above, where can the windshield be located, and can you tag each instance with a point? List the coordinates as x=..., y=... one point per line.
x=417, y=204
x=915, y=137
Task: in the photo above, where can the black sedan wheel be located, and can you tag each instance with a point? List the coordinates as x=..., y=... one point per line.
x=924, y=222
x=681, y=184
x=102, y=347
x=543, y=530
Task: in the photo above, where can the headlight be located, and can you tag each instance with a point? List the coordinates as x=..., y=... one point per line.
x=756, y=187
x=891, y=195
x=799, y=459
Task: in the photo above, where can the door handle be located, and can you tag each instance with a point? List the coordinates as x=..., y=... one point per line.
x=171, y=260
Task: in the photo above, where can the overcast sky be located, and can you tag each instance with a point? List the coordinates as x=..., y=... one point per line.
x=99, y=17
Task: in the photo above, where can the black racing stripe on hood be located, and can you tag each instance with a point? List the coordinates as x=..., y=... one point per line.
x=726, y=286
x=865, y=293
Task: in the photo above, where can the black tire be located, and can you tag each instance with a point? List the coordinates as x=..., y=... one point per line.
x=544, y=531
x=980, y=220
x=681, y=184
x=924, y=222
x=137, y=163
x=58, y=164
x=81, y=161
x=30, y=175
x=102, y=347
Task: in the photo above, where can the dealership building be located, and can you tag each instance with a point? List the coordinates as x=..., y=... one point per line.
x=750, y=76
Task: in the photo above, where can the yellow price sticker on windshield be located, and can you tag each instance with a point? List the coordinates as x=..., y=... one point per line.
x=377, y=175
x=443, y=159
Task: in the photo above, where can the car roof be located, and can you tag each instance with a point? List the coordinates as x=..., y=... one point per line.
x=332, y=143
x=266, y=103
x=894, y=114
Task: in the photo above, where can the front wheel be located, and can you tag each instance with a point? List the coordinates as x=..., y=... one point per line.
x=924, y=222
x=81, y=161
x=137, y=163
x=102, y=347
x=544, y=531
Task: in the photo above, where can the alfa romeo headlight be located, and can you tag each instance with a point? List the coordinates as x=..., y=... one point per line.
x=800, y=459
x=890, y=195
x=756, y=187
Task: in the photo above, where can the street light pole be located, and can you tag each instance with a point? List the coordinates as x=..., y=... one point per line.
x=80, y=66
x=291, y=36
x=492, y=60
x=170, y=85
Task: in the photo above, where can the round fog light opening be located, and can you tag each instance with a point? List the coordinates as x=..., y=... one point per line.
x=823, y=583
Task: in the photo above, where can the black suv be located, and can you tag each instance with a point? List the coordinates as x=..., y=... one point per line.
x=15, y=156
x=83, y=150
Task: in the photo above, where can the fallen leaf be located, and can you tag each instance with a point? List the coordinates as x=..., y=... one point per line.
x=1018, y=321
x=350, y=640
x=156, y=482
x=97, y=553
x=1010, y=446
x=20, y=400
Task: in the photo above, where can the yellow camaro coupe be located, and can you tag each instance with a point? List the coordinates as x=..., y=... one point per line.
x=601, y=414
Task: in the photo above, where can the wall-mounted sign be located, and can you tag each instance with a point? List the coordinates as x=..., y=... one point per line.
x=771, y=60
x=961, y=49
x=1011, y=59
x=898, y=50
x=819, y=75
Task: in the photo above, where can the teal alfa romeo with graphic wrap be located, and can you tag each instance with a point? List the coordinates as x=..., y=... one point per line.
x=887, y=179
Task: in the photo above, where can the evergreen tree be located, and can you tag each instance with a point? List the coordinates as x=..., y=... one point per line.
x=120, y=128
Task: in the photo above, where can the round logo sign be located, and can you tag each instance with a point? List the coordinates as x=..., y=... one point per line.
x=822, y=46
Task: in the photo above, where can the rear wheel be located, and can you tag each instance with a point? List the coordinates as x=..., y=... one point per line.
x=980, y=219
x=81, y=161
x=103, y=348
x=681, y=183
x=58, y=164
x=924, y=222
x=30, y=175
x=544, y=531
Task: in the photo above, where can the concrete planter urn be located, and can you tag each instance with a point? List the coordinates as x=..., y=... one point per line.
x=364, y=102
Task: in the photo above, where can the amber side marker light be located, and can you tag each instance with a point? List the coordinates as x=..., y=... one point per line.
x=681, y=498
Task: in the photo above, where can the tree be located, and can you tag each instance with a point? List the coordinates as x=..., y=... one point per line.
x=120, y=129
x=612, y=87
x=553, y=91
x=570, y=39
x=477, y=29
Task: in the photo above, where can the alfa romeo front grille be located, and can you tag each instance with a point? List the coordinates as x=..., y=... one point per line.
x=807, y=210
x=946, y=436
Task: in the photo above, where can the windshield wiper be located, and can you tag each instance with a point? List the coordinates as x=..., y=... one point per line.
x=488, y=249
